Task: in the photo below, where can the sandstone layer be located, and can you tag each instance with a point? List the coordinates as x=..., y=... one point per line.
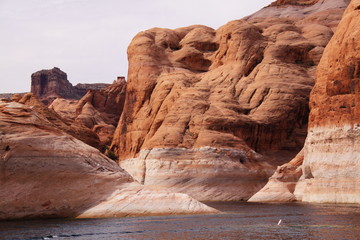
x=281, y=185
x=332, y=149
x=46, y=173
x=222, y=105
x=98, y=110
x=74, y=129
x=331, y=153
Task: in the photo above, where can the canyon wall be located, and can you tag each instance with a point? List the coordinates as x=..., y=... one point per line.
x=331, y=157
x=98, y=110
x=212, y=112
x=332, y=149
x=46, y=173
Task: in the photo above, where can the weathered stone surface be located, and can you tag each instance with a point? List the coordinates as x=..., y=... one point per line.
x=281, y=185
x=98, y=110
x=47, y=173
x=205, y=173
x=50, y=84
x=325, y=11
x=74, y=129
x=331, y=152
x=243, y=87
x=332, y=157
x=279, y=3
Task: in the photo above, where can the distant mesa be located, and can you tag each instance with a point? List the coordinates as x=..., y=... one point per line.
x=50, y=84
x=6, y=95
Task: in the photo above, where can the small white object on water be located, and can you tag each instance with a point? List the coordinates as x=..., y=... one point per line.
x=279, y=222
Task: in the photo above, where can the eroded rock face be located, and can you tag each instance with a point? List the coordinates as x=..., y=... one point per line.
x=293, y=2
x=47, y=173
x=325, y=12
x=332, y=156
x=50, y=84
x=98, y=110
x=331, y=152
x=282, y=183
x=243, y=87
x=74, y=129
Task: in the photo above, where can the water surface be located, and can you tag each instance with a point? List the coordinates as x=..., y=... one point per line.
x=238, y=221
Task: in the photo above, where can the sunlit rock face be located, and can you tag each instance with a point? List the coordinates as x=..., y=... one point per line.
x=332, y=150
x=331, y=157
x=45, y=172
x=74, y=129
x=218, y=109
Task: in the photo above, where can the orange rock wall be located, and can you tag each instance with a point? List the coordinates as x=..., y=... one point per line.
x=330, y=169
x=332, y=156
x=243, y=87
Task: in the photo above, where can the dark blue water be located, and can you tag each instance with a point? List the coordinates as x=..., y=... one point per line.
x=238, y=221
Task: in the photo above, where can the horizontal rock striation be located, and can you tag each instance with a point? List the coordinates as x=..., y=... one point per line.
x=332, y=155
x=204, y=173
x=331, y=152
x=244, y=87
x=45, y=173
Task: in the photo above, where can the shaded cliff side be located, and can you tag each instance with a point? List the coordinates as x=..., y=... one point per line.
x=98, y=110
x=330, y=169
x=209, y=112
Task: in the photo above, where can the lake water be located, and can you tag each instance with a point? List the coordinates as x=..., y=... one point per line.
x=238, y=221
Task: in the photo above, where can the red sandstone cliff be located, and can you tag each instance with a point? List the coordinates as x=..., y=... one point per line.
x=98, y=110
x=330, y=169
x=208, y=112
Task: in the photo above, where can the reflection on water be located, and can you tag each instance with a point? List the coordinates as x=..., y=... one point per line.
x=238, y=221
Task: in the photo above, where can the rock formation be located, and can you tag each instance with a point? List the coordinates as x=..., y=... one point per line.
x=74, y=129
x=331, y=152
x=293, y=2
x=282, y=183
x=46, y=173
x=98, y=110
x=7, y=96
x=332, y=149
x=208, y=112
x=48, y=85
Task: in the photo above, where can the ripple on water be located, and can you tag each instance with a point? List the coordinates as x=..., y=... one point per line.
x=238, y=221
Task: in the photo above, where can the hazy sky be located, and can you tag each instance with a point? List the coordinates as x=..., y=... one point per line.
x=88, y=39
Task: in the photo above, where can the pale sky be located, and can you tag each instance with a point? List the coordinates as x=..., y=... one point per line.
x=88, y=39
